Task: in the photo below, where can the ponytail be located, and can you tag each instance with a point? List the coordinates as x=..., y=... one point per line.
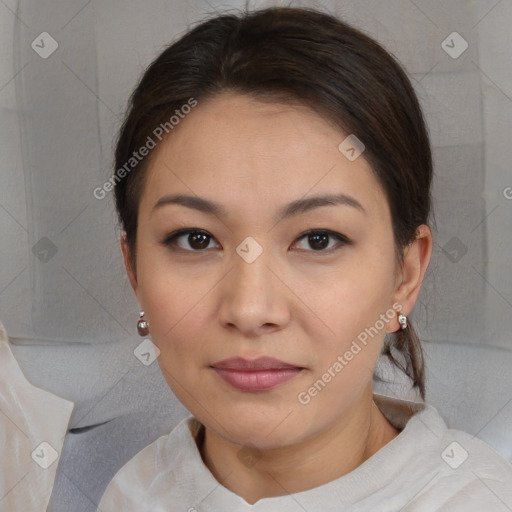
x=407, y=343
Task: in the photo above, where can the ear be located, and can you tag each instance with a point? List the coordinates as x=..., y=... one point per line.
x=132, y=272
x=412, y=271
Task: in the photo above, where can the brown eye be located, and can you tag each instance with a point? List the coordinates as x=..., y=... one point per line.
x=191, y=240
x=318, y=242
x=321, y=241
x=198, y=240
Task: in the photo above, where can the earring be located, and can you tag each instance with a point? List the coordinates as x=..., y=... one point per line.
x=142, y=325
x=402, y=320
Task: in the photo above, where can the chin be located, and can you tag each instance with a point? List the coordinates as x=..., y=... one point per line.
x=258, y=440
x=262, y=428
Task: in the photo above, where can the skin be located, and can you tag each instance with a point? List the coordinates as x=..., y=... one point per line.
x=293, y=303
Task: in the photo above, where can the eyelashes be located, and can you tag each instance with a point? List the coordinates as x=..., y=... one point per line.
x=320, y=235
x=199, y=240
x=199, y=234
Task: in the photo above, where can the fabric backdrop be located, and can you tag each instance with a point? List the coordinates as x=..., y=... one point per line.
x=66, y=70
x=61, y=275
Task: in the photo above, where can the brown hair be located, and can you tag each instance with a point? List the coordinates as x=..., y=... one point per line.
x=306, y=57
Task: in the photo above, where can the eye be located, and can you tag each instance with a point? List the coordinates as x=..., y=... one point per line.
x=319, y=240
x=197, y=240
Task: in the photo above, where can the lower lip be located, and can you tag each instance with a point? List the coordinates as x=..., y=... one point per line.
x=259, y=380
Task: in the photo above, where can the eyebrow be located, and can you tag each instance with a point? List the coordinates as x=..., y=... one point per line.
x=294, y=208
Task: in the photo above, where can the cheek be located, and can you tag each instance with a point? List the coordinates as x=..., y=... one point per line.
x=356, y=306
x=345, y=361
x=175, y=313
x=170, y=297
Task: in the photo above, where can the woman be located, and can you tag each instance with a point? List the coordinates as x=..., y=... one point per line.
x=273, y=180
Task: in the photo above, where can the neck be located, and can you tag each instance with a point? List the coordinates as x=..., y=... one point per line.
x=312, y=462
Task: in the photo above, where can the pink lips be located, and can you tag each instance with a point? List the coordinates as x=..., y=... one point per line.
x=257, y=375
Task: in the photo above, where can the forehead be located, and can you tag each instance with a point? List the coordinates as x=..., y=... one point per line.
x=238, y=151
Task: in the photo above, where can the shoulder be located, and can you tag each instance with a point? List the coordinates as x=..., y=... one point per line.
x=459, y=472
x=473, y=471
x=159, y=464
x=458, y=452
x=431, y=467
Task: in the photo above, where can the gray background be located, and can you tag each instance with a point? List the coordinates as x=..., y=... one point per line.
x=64, y=297
x=59, y=116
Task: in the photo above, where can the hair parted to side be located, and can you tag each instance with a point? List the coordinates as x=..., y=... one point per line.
x=305, y=57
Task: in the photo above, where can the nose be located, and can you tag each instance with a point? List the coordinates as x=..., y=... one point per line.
x=254, y=300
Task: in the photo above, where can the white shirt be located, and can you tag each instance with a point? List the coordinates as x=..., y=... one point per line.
x=33, y=424
x=426, y=468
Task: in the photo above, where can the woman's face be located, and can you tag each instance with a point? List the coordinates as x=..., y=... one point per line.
x=252, y=283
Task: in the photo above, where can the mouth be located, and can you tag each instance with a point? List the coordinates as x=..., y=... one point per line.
x=260, y=374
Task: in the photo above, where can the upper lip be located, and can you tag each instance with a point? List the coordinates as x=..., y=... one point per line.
x=261, y=363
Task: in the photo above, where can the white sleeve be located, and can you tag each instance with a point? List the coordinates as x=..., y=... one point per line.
x=33, y=425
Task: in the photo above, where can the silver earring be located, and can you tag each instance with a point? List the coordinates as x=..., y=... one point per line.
x=402, y=320
x=142, y=325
